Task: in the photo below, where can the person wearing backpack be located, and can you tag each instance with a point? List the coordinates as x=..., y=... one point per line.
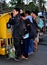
x=36, y=19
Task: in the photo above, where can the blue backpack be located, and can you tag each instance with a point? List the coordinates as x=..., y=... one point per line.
x=40, y=24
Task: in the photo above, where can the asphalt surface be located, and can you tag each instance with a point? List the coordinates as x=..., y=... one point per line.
x=38, y=58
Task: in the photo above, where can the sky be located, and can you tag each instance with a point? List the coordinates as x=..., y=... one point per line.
x=25, y=0
x=9, y=0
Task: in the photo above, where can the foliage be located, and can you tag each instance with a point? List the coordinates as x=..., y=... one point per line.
x=31, y=6
x=40, y=4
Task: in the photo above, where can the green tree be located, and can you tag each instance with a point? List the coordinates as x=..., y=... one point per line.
x=34, y=1
x=13, y=3
x=20, y=5
x=4, y=6
x=36, y=8
x=40, y=4
x=16, y=2
x=43, y=8
x=31, y=6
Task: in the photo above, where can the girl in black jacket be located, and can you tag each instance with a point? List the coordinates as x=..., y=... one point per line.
x=26, y=39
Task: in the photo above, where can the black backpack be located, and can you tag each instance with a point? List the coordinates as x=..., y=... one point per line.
x=33, y=31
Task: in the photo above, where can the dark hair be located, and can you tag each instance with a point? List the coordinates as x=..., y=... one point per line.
x=35, y=12
x=22, y=14
x=27, y=12
x=12, y=15
x=17, y=9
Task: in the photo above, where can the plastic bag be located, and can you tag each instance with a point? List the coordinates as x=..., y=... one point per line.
x=11, y=53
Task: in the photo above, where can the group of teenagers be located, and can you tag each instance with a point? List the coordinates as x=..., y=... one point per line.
x=25, y=27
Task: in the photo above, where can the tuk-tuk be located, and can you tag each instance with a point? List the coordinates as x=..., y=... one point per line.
x=5, y=34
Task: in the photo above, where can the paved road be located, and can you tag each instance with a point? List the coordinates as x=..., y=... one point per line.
x=43, y=39
x=38, y=58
